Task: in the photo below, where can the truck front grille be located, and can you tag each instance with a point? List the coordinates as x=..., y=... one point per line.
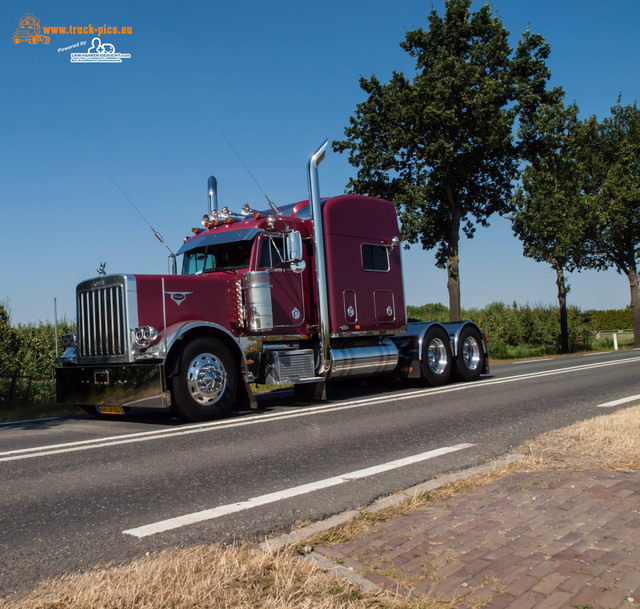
x=102, y=323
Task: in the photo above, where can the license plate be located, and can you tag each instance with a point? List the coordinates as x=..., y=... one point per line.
x=110, y=409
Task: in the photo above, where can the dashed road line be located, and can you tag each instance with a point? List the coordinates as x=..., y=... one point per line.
x=631, y=398
x=303, y=489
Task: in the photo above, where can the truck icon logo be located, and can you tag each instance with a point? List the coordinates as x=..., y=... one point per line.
x=29, y=31
x=179, y=297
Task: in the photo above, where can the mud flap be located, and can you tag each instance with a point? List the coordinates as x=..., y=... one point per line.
x=315, y=391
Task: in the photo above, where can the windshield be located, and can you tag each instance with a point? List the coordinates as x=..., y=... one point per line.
x=216, y=258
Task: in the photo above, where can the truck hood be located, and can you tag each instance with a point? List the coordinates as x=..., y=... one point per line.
x=185, y=298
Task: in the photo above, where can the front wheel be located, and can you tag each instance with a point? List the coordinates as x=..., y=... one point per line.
x=205, y=386
x=470, y=360
x=437, y=358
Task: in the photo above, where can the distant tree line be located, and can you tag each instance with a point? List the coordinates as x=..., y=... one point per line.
x=441, y=145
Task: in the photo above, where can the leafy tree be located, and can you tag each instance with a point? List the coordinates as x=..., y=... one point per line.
x=612, y=151
x=441, y=145
x=549, y=213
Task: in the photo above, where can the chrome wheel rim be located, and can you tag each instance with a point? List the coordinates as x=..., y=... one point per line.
x=437, y=356
x=471, y=353
x=206, y=379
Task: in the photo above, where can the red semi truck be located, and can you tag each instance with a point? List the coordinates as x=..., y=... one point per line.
x=302, y=295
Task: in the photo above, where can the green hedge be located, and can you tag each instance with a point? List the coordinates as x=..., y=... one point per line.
x=27, y=359
x=612, y=319
x=520, y=330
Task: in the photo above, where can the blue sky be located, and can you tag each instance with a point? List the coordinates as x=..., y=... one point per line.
x=277, y=79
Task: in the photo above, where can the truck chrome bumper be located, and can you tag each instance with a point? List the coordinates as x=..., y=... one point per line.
x=140, y=385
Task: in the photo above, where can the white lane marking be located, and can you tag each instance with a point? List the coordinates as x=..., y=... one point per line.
x=529, y=361
x=69, y=447
x=631, y=398
x=303, y=489
x=607, y=352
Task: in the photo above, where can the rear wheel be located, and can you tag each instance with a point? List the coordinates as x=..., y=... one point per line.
x=437, y=358
x=471, y=357
x=205, y=386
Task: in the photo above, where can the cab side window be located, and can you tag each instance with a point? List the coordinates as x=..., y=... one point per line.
x=375, y=257
x=272, y=252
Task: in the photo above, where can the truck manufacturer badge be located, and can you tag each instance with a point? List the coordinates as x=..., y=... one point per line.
x=295, y=313
x=179, y=297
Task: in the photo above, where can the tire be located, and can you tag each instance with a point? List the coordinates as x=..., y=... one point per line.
x=205, y=385
x=437, y=357
x=470, y=361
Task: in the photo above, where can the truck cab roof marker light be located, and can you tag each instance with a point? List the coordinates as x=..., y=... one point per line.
x=247, y=211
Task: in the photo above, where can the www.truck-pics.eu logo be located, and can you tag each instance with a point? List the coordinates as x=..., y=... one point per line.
x=30, y=31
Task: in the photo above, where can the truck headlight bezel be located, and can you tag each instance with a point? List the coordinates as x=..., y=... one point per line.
x=144, y=336
x=70, y=341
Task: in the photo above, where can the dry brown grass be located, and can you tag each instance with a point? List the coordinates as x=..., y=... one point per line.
x=204, y=577
x=608, y=441
x=251, y=578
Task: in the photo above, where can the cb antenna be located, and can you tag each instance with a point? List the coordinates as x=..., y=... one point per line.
x=271, y=203
x=153, y=230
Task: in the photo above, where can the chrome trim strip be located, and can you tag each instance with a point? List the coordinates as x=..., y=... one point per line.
x=358, y=333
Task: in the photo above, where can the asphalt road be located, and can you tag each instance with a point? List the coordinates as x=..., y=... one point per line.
x=76, y=492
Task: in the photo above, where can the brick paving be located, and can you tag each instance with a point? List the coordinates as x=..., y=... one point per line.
x=532, y=539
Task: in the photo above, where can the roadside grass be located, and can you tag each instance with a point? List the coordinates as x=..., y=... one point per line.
x=208, y=577
x=36, y=410
x=248, y=577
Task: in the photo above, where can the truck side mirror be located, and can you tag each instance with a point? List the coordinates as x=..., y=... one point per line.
x=294, y=252
x=173, y=264
x=294, y=246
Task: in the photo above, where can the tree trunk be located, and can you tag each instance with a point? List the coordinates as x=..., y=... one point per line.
x=453, y=261
x=562, y=303
x=632, y=275
x=453, y=285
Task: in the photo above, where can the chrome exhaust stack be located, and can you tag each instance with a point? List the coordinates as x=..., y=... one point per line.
x=320, y=263
x=212, y=191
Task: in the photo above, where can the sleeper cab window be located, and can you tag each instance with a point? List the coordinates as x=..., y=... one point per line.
x=375, y=257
